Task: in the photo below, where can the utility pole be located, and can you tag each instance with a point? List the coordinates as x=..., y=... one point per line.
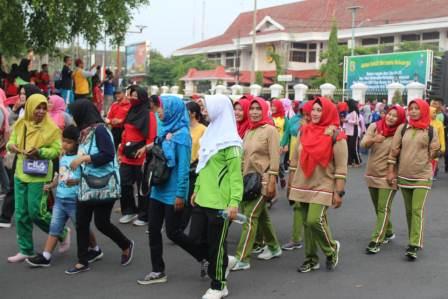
x=203, y=21
x=354, y=10
x=254, y=44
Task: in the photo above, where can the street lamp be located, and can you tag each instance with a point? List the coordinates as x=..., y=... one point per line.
x=140, y=30
x=354, y=9
x=254, y=43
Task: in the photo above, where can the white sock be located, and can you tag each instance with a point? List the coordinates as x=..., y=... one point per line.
x=96, y=248
x=47, y=255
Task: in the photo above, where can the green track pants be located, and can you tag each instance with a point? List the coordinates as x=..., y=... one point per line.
x=317, y=231
x=382, y=201
x=414, y=202
x=257, y=217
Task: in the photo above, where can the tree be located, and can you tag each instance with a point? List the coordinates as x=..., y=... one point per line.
x=332, y=69
x=259, y=78
x=397, y=98
x=41, y=24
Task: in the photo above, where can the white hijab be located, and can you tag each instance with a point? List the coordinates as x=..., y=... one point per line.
x=221, y=133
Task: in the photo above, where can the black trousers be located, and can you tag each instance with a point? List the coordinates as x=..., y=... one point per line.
x=186, y=213
x=117, y=133
x=353, y=148
x=207, y=222
x=102, y=212
x=130, y=175
x=8, y=201
x=159, y=212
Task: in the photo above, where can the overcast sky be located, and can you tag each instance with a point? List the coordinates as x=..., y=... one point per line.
x=173, y=24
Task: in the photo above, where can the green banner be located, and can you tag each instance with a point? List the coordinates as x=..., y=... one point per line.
x=378, y=71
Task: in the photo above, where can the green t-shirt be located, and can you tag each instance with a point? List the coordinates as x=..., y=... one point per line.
x=219, y=184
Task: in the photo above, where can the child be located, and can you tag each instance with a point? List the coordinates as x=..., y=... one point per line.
x=65, y=204
x=438, y=126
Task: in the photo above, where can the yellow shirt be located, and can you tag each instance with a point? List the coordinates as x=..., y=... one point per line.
x=81, y=83
x=280, y=125
x=438, y=126
x=196, y=134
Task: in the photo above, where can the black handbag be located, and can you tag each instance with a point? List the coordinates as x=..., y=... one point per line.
x=130, y=148
x=252, y=186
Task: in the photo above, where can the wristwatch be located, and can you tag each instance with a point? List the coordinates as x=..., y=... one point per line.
x=341, y=193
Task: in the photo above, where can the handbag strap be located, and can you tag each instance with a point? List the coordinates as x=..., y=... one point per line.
x=91, y=145
x=24, y=137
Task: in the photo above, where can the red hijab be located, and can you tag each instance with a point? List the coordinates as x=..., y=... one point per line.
x=264, y=114
x=244, y=124
x=384, y=129
x=279, y=107
x=307, y=107
x=425, y=118
x=317, y=146
x=342, y=107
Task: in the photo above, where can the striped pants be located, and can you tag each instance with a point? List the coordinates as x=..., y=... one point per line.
x=257, y=220
x=414, y=202
x=317, y=231
x=382, y=201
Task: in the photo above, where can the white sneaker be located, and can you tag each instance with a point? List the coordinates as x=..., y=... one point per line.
x=65, y=245
x=268, y=254
x=128, y=218
x=216, y=294
x=230, y=264
x=138, y=222
x=18, y=258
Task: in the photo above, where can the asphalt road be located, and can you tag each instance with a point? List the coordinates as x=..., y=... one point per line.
x=386, y=275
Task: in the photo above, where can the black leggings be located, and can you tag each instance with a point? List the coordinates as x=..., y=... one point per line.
x=102, y=212
x=353, y=148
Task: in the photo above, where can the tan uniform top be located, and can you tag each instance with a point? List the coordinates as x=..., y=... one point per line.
x=319, y=187
x=377, y=166
x=415, y=153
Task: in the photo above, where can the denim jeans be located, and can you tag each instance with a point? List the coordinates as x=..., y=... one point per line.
x=63, y=209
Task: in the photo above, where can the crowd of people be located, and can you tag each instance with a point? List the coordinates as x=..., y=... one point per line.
x=191, y=167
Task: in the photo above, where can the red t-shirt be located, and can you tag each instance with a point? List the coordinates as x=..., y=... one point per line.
x=132, y=134
x=119, y=110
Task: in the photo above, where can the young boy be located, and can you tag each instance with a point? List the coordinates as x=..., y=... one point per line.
x=65, y=203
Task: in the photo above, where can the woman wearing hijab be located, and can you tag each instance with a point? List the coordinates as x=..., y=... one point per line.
x=5, y=182
x=140, y=129
x=36, y=140
x=352, y=127
x=414, y=145
x=23, y=75
x=97, y=159
x=56, y=109
x=241, y=108
x=288, y=144
x=317, y=180
x=379, y=140
x=18, y=103
x=261, y=149
x=168, y=199
x=219, y=188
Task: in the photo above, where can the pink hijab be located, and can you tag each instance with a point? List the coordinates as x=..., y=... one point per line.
x=287, y=105
x=57, y=110
x=5, y=113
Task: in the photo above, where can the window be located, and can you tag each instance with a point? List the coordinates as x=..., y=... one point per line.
x=304, y=53
x=387, y=40
x=214, y=58
x=232, y=60
x=370, y=42
x=410, y=38
x=431, y=36
x=387, y=44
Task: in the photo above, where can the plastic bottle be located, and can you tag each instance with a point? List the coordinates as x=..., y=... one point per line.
x=240, y=218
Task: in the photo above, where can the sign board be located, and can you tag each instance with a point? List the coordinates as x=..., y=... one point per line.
x=284, y=78
x=137, y=59
x=378, y=71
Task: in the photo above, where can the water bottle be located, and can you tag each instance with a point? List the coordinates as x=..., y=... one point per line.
x=240, y=218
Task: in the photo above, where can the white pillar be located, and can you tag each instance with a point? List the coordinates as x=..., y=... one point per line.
x=164, y=89
x=189, y=88
x=327, y=90
x=174, y=89
x=300, y=92
x=359, y=92
x=391, y=88
x=154, y=90
x=276, y=90
x=255, y=90
x=415, y=90
x=220, y=89
x=236, y=90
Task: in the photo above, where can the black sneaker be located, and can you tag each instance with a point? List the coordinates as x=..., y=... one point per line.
x=332, y=261
x=126, y=259
x=373, y=248
x=153, y=278
x=76, y=270
x=94, y=255
x=308, y=266
x=411, y=252
x=5, y=223
x=204, y=268
x=38, y=261
x=389, y=238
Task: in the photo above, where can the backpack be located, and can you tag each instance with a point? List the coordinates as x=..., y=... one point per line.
x=156, y=171
x=430, y=134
